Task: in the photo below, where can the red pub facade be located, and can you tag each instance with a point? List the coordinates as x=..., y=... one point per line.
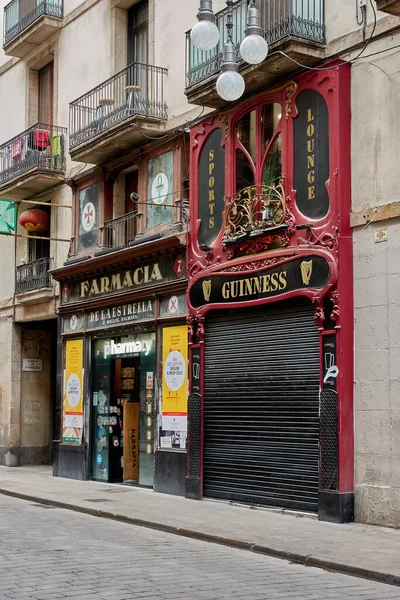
x=270, y=300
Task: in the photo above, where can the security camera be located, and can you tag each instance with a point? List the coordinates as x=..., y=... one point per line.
x=134, y=197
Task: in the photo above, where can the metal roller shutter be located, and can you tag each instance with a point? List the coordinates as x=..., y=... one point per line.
x=261, y=406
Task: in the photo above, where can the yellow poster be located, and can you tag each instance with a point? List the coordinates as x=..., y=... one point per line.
x=175, y=378
x=73, y=392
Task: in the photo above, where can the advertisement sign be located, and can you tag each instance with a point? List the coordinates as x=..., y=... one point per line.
x=211, y=188
x=131, y=441
x=73, y=392
x=147, y=274
x=331, y=370
x=121, y=313
x=175, y=378
x=311, y=272
x=311, y=154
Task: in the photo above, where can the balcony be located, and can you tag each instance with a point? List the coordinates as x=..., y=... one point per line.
x=116, y=115
x=119, y=232
x=257, y=218
x=32, y=161
x=389, y=6
x=28, y=23
x=296, y=27
x=33, y=276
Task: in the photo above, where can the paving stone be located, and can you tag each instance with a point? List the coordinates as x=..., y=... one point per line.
x=63, y=555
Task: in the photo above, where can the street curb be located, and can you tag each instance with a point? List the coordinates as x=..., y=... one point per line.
x=303, y=559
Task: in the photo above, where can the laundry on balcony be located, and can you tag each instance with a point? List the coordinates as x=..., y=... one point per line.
x=40, y=148
x=39, y=139
x=57, y=150
x=17, y=150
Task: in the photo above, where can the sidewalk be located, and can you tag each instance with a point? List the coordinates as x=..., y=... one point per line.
x=356, y=549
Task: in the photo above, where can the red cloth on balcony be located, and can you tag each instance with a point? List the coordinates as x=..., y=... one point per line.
x=41, y=139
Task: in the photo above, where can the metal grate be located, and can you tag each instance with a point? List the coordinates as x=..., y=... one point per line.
x=328, y=440
x=194, y=434
x=261, y=405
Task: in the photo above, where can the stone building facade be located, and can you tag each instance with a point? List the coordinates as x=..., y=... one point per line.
x=65, y=125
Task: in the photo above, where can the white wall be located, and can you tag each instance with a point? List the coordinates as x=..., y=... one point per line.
x=377, y=375
x=341, y=17
x=375, y=91
x=375, y=95
x=83, y=56
x=12, y=102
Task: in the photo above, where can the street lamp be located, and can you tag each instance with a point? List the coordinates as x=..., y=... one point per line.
x=253, y=49
x=205, y=34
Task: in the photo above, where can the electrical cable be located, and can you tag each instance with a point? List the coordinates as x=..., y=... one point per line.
x=181, y=128
x=151, y=203
x=380, y=51
x=342, y=64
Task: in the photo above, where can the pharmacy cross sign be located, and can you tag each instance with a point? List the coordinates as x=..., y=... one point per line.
x=88, y=216
x=8, y=217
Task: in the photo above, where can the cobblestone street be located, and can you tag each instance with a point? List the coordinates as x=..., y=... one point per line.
x=48, y=553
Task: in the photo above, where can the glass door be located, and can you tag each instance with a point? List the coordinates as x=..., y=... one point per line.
x=123, y=407
x=102, y=372
x=145, y=378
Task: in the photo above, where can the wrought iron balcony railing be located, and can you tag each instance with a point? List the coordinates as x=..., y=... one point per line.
x=279, y=19
x=41, y=146
x=33, y=276
x=120, y=231
x=258, y=211
x=19, y=14
x=137, y=91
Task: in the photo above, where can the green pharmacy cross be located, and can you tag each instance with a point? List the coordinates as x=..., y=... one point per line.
x=8, y=217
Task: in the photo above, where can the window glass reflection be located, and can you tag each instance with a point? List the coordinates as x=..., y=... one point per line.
x=270, y=117
x=244, y=171
x=246, y=133
x=272, y=170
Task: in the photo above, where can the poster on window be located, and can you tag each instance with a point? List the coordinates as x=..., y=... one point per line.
x=175, y=378
x=73, y=392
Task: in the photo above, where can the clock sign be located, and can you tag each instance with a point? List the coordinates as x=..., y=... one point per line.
x=88, y=216
x=159, y=188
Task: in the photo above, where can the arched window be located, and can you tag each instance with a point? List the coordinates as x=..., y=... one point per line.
x=258, y=147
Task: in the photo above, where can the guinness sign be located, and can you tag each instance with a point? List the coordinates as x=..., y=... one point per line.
x=297, y=274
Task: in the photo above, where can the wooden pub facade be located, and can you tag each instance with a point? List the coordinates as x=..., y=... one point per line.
x=270, y=300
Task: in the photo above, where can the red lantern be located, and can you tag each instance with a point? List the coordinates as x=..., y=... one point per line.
x=35, y=220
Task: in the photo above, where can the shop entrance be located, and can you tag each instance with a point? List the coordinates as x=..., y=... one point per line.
x=122, y=409
x=261, y=405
